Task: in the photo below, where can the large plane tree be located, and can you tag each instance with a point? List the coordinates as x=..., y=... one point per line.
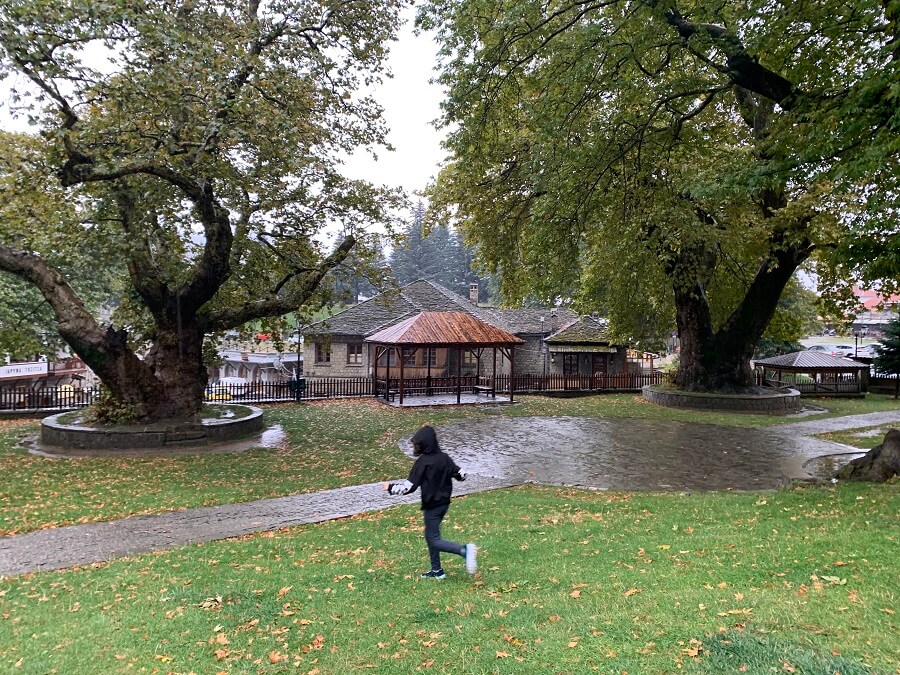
x=668, y=160
x=193, y=149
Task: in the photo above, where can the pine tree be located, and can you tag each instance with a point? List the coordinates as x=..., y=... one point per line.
x=888, y=359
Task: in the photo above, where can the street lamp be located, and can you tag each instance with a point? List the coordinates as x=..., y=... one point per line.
x=855, y=343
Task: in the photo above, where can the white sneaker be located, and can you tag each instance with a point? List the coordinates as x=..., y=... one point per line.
x=471, y=563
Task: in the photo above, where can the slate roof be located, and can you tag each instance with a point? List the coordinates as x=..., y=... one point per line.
x=444, y=328
x=386, y=309
x=527, y=320
x=583, y=330
x=806, y=360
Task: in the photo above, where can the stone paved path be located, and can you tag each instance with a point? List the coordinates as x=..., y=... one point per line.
x=621, y=454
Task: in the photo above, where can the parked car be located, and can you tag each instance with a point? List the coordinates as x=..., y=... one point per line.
x=844, y=350
x=825, y=349
x=867, y=351
x=216, y=392
x=227, y=388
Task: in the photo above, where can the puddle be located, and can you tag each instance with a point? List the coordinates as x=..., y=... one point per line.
x=628, y=454
x=826, y=466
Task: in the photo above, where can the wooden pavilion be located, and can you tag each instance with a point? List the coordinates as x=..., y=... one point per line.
x=815, y=373
x=426, y=354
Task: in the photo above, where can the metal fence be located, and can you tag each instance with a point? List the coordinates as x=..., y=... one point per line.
x=47, y=398
x=308, y=389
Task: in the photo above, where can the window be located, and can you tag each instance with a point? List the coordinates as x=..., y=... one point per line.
x=409, y=356
x=388, y=358
x=431, y=356
x=323, y=353
x=470, y=359
x=355, y=353
x=570, y=364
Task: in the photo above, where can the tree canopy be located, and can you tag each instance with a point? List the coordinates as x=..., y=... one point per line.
x=197, y=147
x=668, y=162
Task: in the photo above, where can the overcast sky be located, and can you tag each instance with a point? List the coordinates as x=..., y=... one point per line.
x=410, y=104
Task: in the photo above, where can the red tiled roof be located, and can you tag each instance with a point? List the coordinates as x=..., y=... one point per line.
x=444, y=328
x=871, y=299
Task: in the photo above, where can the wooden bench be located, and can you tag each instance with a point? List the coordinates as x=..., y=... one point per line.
x=483, y=389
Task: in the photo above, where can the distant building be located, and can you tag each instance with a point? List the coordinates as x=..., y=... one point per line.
x=877, y=312
x=40, y=374
x=557, y=340
x=256, y=366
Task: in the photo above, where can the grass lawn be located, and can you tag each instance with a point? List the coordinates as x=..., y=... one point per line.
x=864, y=438
x=330, y=444
x=800, y=581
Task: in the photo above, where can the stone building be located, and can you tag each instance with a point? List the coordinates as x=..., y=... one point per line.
x=336, y=347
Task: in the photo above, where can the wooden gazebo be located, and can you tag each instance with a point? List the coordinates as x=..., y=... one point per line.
x=815, y=373
x=424, y=354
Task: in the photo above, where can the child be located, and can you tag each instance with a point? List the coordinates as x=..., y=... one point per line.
x=433, y=472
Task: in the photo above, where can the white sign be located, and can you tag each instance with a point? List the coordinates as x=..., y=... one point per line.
x=20, y=370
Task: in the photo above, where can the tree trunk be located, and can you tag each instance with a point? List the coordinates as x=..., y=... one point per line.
x=720, y=360
x=176, y=361
x=709, y=361
x=878, y=465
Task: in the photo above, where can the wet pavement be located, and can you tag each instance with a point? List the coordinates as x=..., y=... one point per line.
x=637, y=454
x=614, y=454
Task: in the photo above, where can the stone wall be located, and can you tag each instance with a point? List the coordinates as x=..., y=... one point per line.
x=166, y=434
x=781, y=402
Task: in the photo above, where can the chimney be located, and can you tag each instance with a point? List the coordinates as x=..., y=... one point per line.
x=473, y=293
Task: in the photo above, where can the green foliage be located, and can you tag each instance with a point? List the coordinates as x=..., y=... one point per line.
x=888, y=354
x=796, y=316
x=767, y=347
x=623, y=152
x=37, y=216
x=110, y=411
x=197, y=150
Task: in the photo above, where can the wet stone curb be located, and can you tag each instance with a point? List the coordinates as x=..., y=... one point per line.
x=72, y=437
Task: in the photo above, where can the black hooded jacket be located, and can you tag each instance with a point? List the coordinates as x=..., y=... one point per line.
x=432, y=473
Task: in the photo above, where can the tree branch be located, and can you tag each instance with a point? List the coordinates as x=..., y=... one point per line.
x=742, y=68
x=276, y=305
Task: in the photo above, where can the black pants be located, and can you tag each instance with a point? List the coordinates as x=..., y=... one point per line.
x=433, y=518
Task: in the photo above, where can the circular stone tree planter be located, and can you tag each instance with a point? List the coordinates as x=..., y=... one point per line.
x=779, y=402
x=165, y=435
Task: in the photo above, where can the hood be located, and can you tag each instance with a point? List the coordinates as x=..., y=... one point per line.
x=425, y=441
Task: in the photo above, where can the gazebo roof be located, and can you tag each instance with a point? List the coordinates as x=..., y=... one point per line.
x=810, y=361
x=444, y=328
